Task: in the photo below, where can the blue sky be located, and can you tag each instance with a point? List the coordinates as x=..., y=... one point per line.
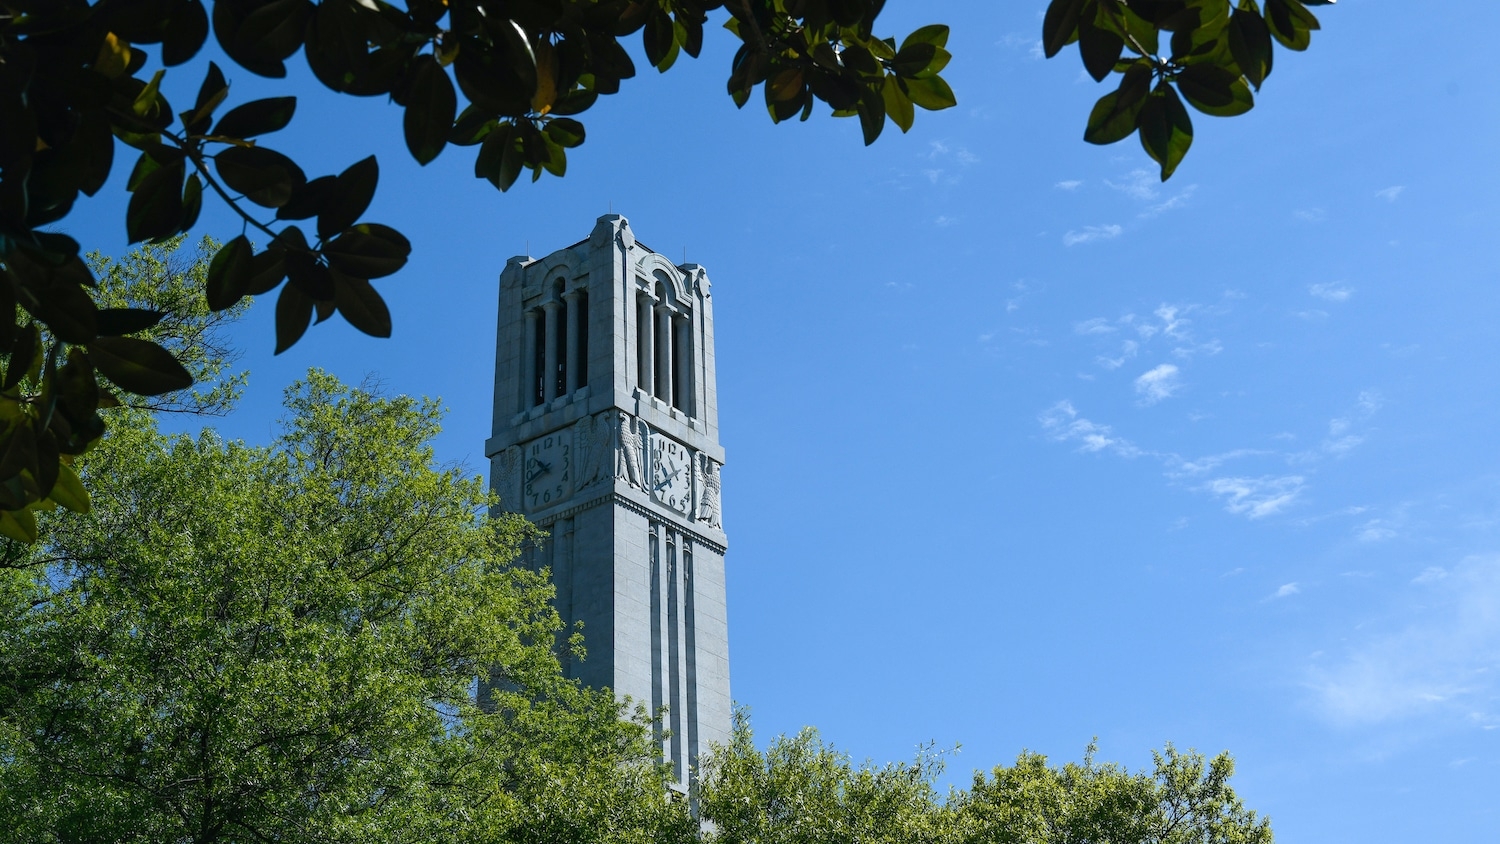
x=1026, y=447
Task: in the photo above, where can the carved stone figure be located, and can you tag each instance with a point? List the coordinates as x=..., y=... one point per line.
x=628, y=460
x=708, y=499
x=594, y=436
x=507, y=476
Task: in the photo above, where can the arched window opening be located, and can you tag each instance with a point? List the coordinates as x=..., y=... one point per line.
x=537, y=376
x=581, y=332
x=643, y=331
x=682, y=369
x=663, y=345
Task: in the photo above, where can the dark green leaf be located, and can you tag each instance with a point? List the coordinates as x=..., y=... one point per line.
x=95, y=151
x=192, y=201
x=349, y=198
x=308, y=200
x=185, y=33
x=1213, y=90
x=1099, y=47
x=430, y=107
x=1250, y=44
x=871, y=111
x=361, y=305
x=229, y=274
x=914, y=59
x=931, y=93
x=898, y=106
x=368, y=250
x=139, y=366
x=1290, y=23
x=210, y=94
x=25, y=355
x=155, y=208
x=1060, y=25
x=935, y=34
x=257, y=117
x=1166, y=130
x=294, y=310
x=660, y=40
x=264, y=176
x=1114, y=116
x=114, y=322
x=565, y=131
x=266, y=271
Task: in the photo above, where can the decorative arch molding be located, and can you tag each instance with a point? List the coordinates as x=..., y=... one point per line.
x=653, y=266
x=564, y=264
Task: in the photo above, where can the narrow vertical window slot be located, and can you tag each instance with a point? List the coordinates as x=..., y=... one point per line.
x=561, y=375
x=539, y=361
x=581, y=332
x=643, y=330
x=682, y=369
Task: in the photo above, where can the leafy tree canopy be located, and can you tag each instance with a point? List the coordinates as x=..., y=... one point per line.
x=800, y=790
x=506, y=77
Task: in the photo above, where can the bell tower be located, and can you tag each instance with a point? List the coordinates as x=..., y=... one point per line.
x=606, y=435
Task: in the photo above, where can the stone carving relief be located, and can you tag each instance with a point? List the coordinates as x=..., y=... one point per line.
x=594, y=437
x=507, y=475
x=629, y=462
x=708, y=497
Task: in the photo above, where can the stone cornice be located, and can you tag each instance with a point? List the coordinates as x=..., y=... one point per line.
x=699, y=537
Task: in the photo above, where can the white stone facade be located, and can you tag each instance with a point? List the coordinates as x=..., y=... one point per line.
x=606, y=435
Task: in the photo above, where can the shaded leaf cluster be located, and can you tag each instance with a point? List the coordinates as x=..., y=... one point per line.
x=1169, y=54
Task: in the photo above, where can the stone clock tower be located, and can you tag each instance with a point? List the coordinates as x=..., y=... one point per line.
x=606, y=434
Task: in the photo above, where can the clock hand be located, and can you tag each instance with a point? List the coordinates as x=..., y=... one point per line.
x=668, y=479
x=542, y=469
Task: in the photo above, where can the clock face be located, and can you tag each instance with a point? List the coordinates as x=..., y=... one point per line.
x=671, y=473
x=547, y=470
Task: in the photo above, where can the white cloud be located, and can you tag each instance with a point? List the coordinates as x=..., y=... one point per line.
x=1257, y=498
x=1128, y=351
x=1137, y=184
x=1342, y=445
x=1062, y=423
x=1332, y=292
x=1180, y=468
x=1089, y=234
x=1070, y=184
x=1157, y=384
x=1210, y=348
x=944, y=220
x=1442, y=659
x=1097, y=325
x=1389, y=194
x=1287, y=590
x=1172, y=204
x=1311, y=215
x=1173, y=325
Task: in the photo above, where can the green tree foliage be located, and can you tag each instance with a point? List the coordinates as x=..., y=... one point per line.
x=167, y=278
x=1209, y=53
x=507, y=77
x=800, y=790
x=282, y=643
